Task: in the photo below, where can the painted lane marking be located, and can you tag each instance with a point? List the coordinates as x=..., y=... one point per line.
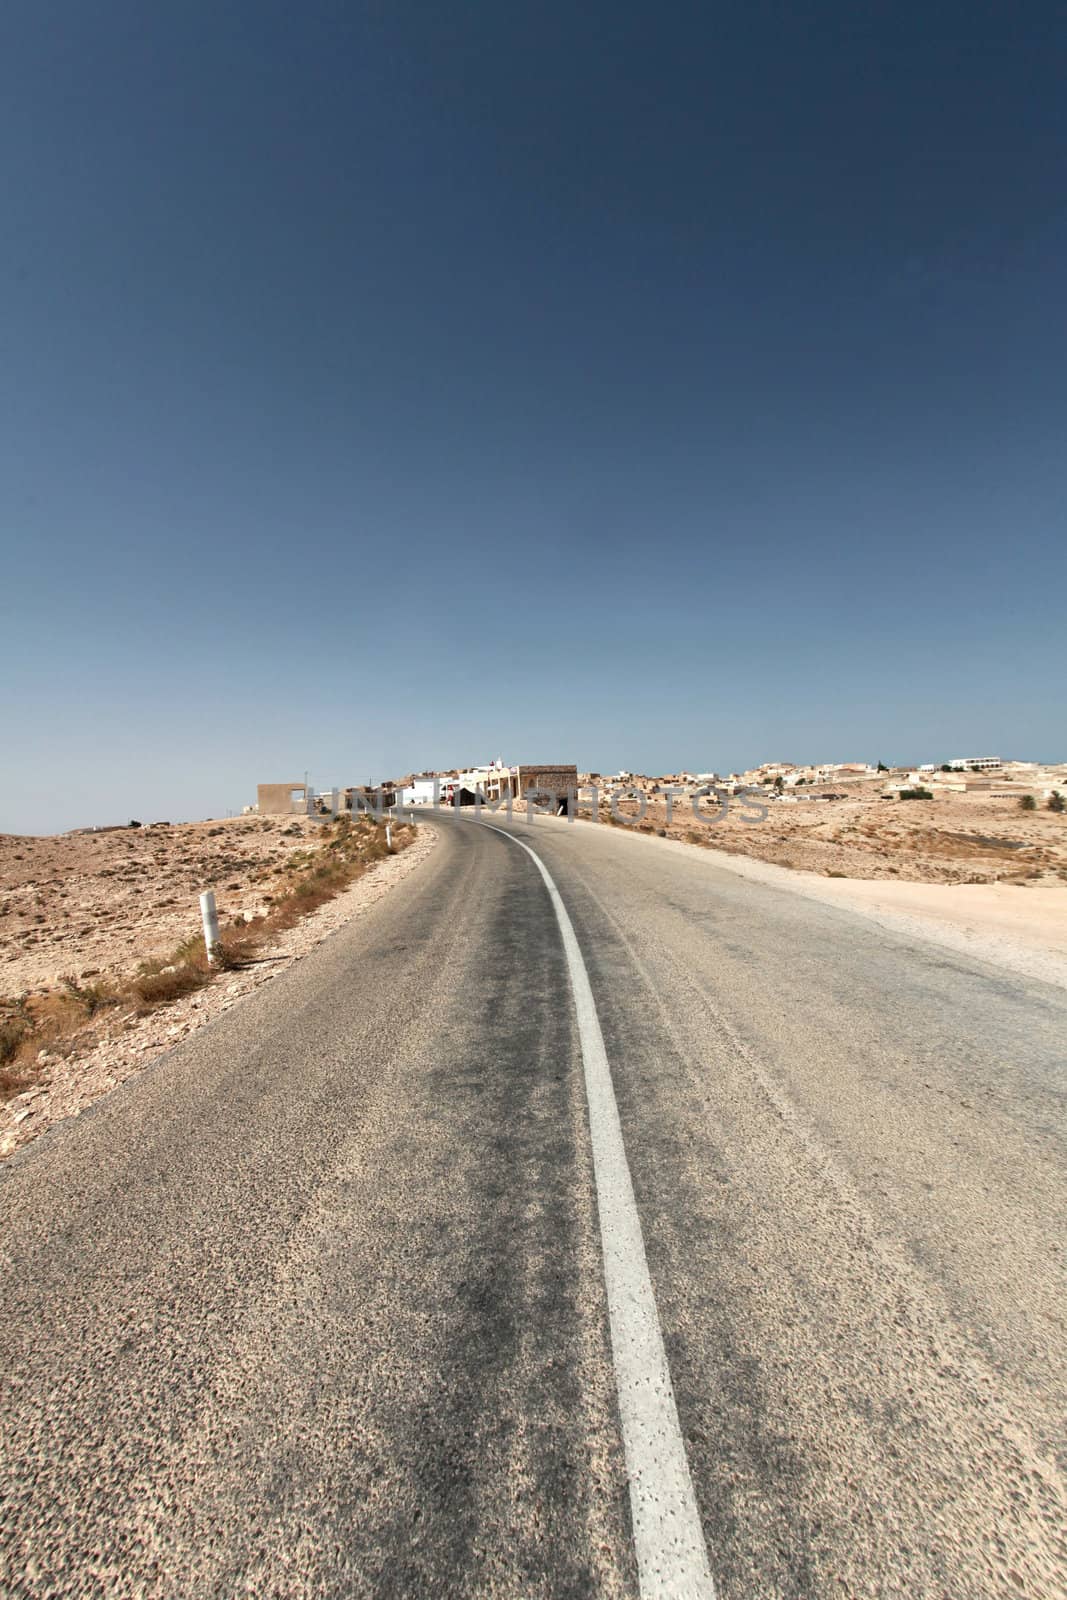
x=672, y=1559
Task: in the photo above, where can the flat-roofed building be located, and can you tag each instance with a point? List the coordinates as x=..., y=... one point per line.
x=555, y=780
x=419, y=792
x=284, y=799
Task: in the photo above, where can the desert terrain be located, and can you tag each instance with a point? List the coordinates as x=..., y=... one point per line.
x=955, y=838
x=102, y=961
x=97, y=929
x=84, y=903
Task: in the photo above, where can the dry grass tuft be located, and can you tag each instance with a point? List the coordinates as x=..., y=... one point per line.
x=171, y=983
x=92, y=996
x=14, y=1028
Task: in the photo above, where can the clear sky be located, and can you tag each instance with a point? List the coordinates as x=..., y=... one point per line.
x=394, y=385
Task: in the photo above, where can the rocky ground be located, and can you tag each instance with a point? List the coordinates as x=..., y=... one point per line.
x=109, y=902
x=82, y=903
x=953, y=839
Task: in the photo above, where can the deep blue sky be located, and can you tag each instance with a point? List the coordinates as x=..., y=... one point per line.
x=393, y=385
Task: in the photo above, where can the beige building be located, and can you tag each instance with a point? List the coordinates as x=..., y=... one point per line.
x=496, y=782
x=556, y=780
x=283, y=799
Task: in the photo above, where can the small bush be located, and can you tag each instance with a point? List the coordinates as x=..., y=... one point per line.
x=158, y=988
x=12, y=1032
x=93, y=996
x=1027, y=803
x=229, y=954
x=190, y=953
x=1056, y=802
x=916, y=794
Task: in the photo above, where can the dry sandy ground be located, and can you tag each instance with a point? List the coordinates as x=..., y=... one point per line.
x=966, y=838
x=131, y=1042
x=79, y=903
x=1035, y=919
x=1016, y=925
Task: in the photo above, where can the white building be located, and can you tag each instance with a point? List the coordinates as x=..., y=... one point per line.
x=420, y=792
x=494, y=781
x=976, y=763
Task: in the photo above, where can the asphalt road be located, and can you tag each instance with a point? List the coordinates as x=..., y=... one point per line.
x=316, y=1306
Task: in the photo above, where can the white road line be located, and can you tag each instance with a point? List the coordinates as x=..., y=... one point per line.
x=672, y=1560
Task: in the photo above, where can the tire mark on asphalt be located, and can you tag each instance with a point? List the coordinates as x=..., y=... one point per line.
x=672, y=1558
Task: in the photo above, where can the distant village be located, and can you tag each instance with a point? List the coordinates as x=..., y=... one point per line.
x=991, y=775
x=777, y=781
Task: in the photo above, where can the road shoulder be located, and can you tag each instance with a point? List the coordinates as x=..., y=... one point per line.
x=1020, y=929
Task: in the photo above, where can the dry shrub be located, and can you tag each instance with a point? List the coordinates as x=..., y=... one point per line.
x=91, y=996
x=231, y=953
x=15, y=1074
x=31, y=1024
x=12, y=1032
x=158, y=988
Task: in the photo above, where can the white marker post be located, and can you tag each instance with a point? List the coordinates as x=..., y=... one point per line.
x=388, y=835
x=210, y=917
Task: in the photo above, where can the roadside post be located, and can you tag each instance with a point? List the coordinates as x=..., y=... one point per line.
x=210, y=918
x=388, y=835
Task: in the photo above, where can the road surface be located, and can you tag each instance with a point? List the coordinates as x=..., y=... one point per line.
x=316, y=1306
